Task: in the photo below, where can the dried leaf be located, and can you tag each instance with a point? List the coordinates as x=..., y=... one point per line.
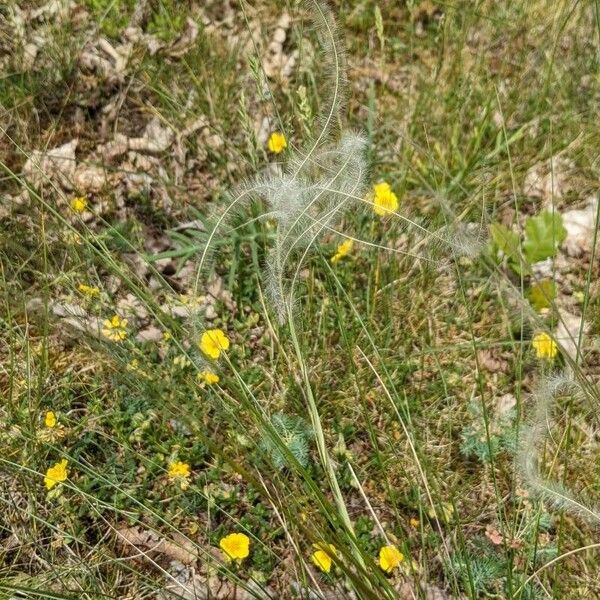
x=491, y=360
x=135, y=540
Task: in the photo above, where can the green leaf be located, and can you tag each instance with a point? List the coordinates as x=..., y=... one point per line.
x=541, y=294
x=544, y=234
x=505, y=240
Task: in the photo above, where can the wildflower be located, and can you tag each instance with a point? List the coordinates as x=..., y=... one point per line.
x=114, y=329
x=389, y=558
x=414, y=523
x=180, y=472
x=88, y=290
x=182, y=361
x=167, y=336
x=236, y=546
x=208, y=377
x=277, y=142
x=322, y=556
x=191, y=300
x=56, y=474
x=384, y=200
x=79, y=204
x=72, y=238
x=544, y=345
x=445, y=512
x=50, y=419
x=213, y=342
x=342, y=250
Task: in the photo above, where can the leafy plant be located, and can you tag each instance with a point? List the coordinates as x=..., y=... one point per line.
x=295, y=433
x=500, y=432
x=543, y=235
x=541, y=294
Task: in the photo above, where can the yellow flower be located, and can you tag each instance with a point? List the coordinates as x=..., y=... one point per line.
x=389, y=558
x=179, y=470
x=236, y=546
x=342, y=250
x=114, y=329
x=50, y=419
x=208, y=377
x=322, y=556
x=544, y=345
x=56, y=474
x=277, y=142
x=213, y=342
x=384, y=200
x=79, y=204
x=87, y=290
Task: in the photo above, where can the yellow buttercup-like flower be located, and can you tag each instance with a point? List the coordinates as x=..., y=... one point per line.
x=79, y=204
x=277, y=142
x=389, y=558
x=544, y=345
x=179, y=469
x=50, y=419
x=213, y=342
x=208, y=377
x=342, y=250
x=56, y=474
x=114, y=329
x=180, y=472
x=235, y=546
x=322, y=556
x=384, y=200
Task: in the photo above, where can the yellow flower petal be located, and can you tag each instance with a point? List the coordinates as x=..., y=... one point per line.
x=384, y=199
x=277, y=142
x=342, y=250
x=544, y=345
x=236, y=546
x=208, y=377
x=322, y=556
x=50, y=419
x=389, y=558
x=79, y=204
x=56, y=474
x=179, y=469
x=213, y=342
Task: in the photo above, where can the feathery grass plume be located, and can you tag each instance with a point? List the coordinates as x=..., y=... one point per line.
x=534, y=434
x=304, y=208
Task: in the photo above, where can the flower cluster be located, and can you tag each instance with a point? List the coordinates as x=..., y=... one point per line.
x=115, y=329
x=79, y=204
x=50, y=419
x=180, y=472
x=88, y=290
x=208, y=377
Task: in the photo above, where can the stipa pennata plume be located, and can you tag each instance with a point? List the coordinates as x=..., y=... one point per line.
x=533, y=435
